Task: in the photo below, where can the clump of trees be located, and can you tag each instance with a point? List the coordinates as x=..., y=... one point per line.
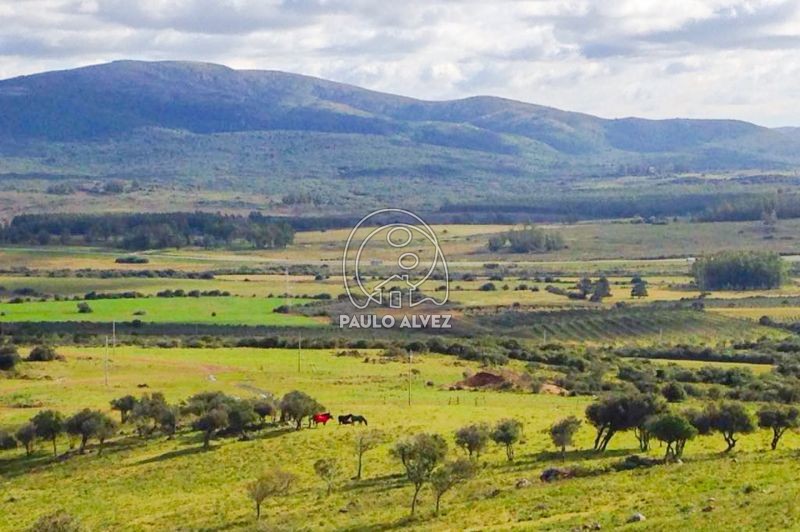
x=730, y=419
x=527, y=240
x=473, y=439
x=296, y=406
x=42, y=353
x=141, y=231
x=672, y=429
x=739, y=270
x=618, y=413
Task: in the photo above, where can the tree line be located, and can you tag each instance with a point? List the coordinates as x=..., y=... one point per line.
x=140, y=231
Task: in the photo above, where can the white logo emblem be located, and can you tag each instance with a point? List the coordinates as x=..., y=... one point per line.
x=411, y=267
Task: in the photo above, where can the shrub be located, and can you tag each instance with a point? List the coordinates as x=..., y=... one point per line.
x=42, y=353
x=9, y=357
x=84, y=308
x=59, y=521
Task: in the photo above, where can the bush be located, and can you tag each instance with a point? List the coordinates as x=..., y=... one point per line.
x=132, y=259
x=42, y=353
x=59, y=521
x=84, y=308
x=8, y=357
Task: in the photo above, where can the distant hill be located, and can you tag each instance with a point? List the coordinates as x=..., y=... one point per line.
x=198, y=122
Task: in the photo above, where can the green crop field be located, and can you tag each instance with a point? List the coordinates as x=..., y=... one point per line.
x=212, y=310
x=157, y=484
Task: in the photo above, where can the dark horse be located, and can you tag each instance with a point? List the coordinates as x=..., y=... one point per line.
x=321, y=418
x=352, y=419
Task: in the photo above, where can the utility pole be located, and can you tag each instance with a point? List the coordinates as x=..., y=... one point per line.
x=105, y=363
x=410, y=359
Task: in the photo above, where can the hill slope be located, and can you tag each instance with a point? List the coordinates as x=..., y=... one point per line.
x=197, y=121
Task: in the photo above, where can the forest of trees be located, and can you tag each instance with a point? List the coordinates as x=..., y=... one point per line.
x=134, y=231
x=528, y=240
x=739, y=270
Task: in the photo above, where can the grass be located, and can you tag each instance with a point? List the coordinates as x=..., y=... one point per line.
x=204, y=310
x=159, y=484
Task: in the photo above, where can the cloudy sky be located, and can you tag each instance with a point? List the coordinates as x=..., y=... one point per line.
x=651, y=58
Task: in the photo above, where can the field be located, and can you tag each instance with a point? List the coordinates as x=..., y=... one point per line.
x=203, y=310
x=518, y=328
x=160, y=484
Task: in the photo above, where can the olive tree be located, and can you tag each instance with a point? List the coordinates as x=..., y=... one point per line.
x=124, y=405
x=365, y=441
x=88, y=424
x=420, y=455
x=296, y=406
x=272, y=483
x=26, y=435
x=328, y=470
x=507, y=432
x=563, y=432
x=49, y=425
x=729, y=419
x=449, y=475
x=779, y=419
x=674, y=430
x=473, y=438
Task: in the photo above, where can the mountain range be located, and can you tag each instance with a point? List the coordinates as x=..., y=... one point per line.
x=202, y=123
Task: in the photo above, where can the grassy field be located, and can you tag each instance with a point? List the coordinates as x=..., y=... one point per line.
x=211, y=310
x=159, y=484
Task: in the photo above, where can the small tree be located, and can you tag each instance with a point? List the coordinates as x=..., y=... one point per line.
x=562, y=433
x=779, y=419
x=672, y=429
x=639, y=289
x=84, y=308
x=9, y=357
x=450, y=475
x=506, y=433
x=106, y=428
x=473, y=438
x=124, y=405
x=240, y=416
x=729, y=419
x=420, y=455
x=168, y=418
x=210, y=422
x=7, y=441
x=26, y=435
x=365, y=441
x=296, y=405
x=272, y=483
x=49, y=425
x=88, y=424
x=265, y=406
x=328, y=470
x=601, y=289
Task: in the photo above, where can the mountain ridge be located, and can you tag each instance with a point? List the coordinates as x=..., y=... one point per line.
x=68, y=120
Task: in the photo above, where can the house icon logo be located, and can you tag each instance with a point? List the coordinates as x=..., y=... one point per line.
x=408, y=253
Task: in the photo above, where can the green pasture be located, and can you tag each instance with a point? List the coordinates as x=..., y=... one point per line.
x=206, y=310
x=159, y=484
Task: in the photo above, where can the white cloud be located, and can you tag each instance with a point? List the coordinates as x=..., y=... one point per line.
x=652, y=58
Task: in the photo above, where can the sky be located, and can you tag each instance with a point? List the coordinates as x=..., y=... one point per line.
x=615, y=58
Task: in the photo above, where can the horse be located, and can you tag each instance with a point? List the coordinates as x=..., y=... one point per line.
x=358, y=419
x=346, y=420
x=321, y=418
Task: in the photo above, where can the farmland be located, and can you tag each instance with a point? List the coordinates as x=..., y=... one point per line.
x=155, y=483
x=268, y=328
